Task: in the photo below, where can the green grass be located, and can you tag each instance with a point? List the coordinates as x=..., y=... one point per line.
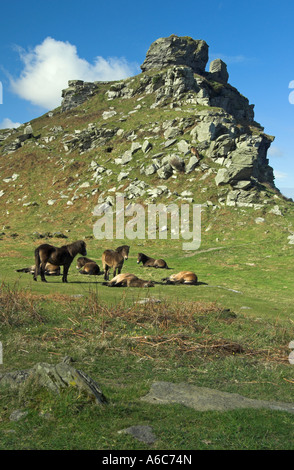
x=125, y=350
x=191, y=336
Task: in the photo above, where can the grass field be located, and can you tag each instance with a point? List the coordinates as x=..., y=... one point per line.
x=231, y=333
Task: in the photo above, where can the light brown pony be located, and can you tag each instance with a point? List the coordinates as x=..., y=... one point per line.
x=50, y=270
x=151, y=262
x=114, y=259
x=128, y=280
x=58, y=256
x=183, y=277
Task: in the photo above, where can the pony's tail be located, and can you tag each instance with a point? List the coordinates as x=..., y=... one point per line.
x=37, y=263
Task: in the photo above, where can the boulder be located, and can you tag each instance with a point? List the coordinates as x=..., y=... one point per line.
x=192, y=163
x=165, y=171
x=218, y=71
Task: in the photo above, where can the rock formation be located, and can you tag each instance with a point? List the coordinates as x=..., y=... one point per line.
x=209, y=127
x=174, y=50
x=77, y=92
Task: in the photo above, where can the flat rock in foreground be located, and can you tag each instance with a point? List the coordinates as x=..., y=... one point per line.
x=206, y=399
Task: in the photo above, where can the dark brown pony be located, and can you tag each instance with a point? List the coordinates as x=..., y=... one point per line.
x=58, y=256
x=128, y=280
x=114, y=259
x=50, y=270
x=151, y=262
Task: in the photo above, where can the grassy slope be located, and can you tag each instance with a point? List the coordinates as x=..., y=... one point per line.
x=245, y=266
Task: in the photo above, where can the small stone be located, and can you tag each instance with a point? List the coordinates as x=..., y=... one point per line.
x=17, y=415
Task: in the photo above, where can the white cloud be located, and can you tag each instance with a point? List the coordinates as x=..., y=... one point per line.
x=279, y=175
x=8, y=124
x=49, y=66
x=275, y=151
x=230, y=59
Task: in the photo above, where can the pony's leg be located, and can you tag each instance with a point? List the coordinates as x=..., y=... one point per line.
x=106, y=273
x=42, y=271
x=65, y=271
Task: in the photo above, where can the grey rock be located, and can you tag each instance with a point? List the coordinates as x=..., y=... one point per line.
x=218, y=71
x=175, y=50
x=169, y=142
x=204, y=131
x=259, y=220
x=17, y=415
x=77, y=93
x=192, y=164
x=183, y=147
x=135, y=147
x=165, y=171
x=55, y=378
x=151, y=169
x=108, y=114
x=127, y=157
x=172, y=132
x=142, y=433
x=122, y=175
x=206, y=399
x=241, y=198
x=276, y=210
x=146, y=146
x=28, y=130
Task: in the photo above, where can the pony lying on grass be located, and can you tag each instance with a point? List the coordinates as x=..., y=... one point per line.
x=151, y=262
x=128, y=280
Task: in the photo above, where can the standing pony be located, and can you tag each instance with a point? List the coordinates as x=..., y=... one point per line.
x=58, y=256
x=114, y=259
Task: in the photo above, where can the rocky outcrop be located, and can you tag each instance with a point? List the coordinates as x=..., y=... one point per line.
x=55, y=378
x=174, y=50
x=88, y=139
x=77, y=93
x=15, y=144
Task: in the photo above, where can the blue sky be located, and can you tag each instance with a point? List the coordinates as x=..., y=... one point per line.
x=45, y=43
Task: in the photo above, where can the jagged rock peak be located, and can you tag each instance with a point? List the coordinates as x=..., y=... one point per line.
x=175, y=50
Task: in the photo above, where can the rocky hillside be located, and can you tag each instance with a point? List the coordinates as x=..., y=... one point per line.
x=175, y=132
